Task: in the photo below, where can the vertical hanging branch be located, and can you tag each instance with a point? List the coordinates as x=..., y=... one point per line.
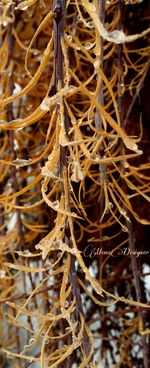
x=98, y=118
x=100, y=100
x=129, y=224
x=99, y=124
x=59, y=12
x=102, y=167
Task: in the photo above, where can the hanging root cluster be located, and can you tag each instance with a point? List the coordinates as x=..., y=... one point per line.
x=74, y=183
